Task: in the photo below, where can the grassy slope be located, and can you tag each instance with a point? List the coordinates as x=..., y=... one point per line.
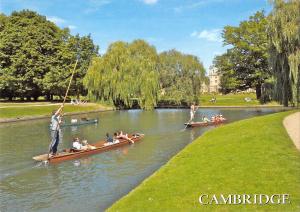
x=231, y=100
x=252, y=156
x=18, y=112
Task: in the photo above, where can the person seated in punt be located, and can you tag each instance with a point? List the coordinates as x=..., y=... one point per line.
x=86, y=146
x=220, y=117
x=109, y=139
x=77, y=145
x=115, y=138
x=84, y=119
x=121, y=135
x=205, y=119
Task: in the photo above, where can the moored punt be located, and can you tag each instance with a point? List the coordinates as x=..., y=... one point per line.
x=202, y=124
x=81, y=122
x=101, y=146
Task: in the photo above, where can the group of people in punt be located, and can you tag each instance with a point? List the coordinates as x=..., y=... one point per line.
x=117, y=135
x=215, y=118
x=81, y=145
x=55, y=132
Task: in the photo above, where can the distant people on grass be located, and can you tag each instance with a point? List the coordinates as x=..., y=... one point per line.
x=77, y=102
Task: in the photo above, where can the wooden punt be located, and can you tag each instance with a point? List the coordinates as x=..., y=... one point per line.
x=81, y=122
x=203, y=124
x=101, y=146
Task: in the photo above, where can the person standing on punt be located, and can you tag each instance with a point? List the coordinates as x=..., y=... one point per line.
x=55, y=131
x=193, y=111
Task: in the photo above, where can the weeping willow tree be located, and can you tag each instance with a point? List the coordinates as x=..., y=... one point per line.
x=284, y=34
x=127, y=72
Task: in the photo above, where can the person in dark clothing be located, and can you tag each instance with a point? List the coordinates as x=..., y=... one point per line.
x=109, y=139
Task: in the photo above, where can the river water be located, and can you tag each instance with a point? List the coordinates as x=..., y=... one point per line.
x=95, y=182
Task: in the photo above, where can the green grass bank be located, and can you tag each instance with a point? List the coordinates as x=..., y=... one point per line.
x=32, y=110
x=253, y=156
x=232, y=100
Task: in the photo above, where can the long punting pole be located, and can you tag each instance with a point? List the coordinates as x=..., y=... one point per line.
x=63, y=104
x=70, y=83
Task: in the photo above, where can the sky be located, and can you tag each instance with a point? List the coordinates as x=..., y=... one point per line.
x=190, y=26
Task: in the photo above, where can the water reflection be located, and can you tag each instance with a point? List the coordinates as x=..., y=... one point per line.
x=99, y=179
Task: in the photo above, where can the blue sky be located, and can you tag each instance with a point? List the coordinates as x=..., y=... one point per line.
x=190, y=26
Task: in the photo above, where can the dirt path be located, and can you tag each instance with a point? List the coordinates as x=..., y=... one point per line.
x=292, y=126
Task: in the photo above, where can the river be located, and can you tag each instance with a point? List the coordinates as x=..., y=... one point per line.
x=95, y=182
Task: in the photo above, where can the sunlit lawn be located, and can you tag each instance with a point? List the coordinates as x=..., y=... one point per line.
x=26, y=111
x=254, y=156
x=231, y=100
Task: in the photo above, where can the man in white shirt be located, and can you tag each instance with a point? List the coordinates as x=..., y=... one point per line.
x=55, y=130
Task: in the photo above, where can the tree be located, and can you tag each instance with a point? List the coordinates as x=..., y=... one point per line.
x=181, y=76
x=284, y=35
x=74, y=47
x=248, y=55
x=27, y=45
x=228, y=82
x=127, y=71
x=37, y=57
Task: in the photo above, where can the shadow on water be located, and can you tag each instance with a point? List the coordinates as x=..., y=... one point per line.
x=93, y=183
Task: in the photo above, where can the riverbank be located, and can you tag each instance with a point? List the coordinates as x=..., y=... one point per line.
x=13, y=113
x=253, y=156
x=219, y=100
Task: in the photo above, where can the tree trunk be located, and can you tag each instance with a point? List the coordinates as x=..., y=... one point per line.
x=258, y=91
x=48, y=97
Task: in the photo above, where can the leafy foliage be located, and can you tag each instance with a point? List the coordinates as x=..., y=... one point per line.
x=181, y=76
x=127, y=72
x=36, y=56
x=284, y=35
x=245, y=65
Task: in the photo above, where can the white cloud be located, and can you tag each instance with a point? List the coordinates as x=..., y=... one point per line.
x=213, y=35
x=197, y=4
x=150, y=1
x=72, y=27
x=95, y=5
x=56, y=20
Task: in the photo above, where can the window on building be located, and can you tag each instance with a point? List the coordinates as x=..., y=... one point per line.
x=216, y=81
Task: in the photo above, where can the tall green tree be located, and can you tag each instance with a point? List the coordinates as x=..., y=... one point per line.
x=228, y=82
x=249, y=52
x=27, y=45
x=284, y=35
x=37, y=57
x=127, y=71
x=181, y=76
x=74, y=47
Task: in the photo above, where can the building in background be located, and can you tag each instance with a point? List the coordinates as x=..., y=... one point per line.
x=214, y=80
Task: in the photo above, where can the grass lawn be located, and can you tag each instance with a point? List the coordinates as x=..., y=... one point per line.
x=231, y=100
x=253, y=156
x=32, y=110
